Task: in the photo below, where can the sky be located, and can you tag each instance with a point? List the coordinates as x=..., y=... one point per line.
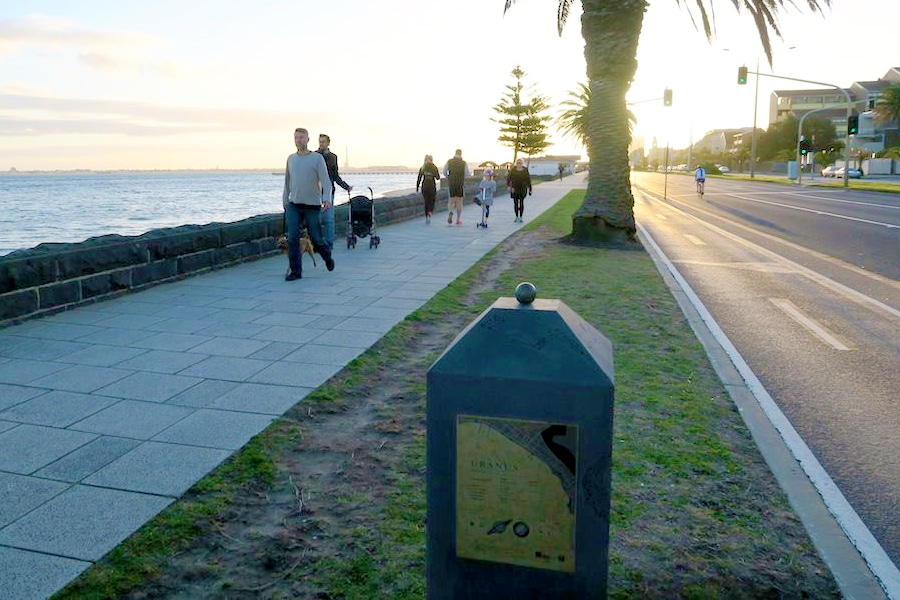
x=197, y=84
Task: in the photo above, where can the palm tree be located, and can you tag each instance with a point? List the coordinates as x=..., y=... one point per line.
x=611, y=29
x=887, y=107
x=573, y=121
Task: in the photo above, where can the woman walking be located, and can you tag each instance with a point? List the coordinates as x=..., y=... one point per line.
x=518, y=182
x=428, y=176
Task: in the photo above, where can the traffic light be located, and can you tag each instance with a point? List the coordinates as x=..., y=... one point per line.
x=667, y=97
x=742, y=75
x=805, y=147
x=853, y=125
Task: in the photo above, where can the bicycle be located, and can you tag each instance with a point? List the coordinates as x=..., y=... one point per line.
x=701, y=184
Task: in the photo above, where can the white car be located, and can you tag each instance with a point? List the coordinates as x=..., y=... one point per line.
x=724, y=169
x=829, y=171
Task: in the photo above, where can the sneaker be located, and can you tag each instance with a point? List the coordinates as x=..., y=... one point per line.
x=450, y=218
x=458, y=223
x=329, y=263
x=428, y=219
x=291, y=276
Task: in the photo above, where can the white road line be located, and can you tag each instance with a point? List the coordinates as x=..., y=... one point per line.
x=817, y=212
x=694, y=240
x=881, y=565
x=826, y=198
x=661, y=217
x=809, y=323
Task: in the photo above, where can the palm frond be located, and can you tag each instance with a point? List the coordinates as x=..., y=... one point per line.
x=763, y=12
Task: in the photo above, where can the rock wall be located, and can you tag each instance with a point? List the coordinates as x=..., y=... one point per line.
x=52, y=277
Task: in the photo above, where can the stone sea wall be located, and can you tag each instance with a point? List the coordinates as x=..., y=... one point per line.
x=52, y=277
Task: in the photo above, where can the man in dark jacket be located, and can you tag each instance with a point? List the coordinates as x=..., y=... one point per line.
x=331, y=161
x=456, y=170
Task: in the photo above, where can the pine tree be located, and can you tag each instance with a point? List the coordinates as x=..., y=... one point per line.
x=523, y=127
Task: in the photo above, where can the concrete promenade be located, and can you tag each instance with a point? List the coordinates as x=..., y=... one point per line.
x=109, y=412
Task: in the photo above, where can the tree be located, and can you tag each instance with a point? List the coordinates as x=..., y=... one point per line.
x=611, y=29
x=887, y=107
x=573, y=121
x=522, y=126
x=782, y=136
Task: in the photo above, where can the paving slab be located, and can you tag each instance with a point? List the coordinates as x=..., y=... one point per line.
x=83, y=522
x=81, y=378
x=227, y=430
x=38, y=349
x=27, y=448
x=151, y=387
x=57, y=408
x=261, y=398
x=228, y=368
x=100, y=355
x=10, y=395
x=161, y=361
x=87, y=459
x=21, y=494
x=203, y=394
x=158, y=468
x=32, y=575
x=132, y=419
x=323, y=355
x=296, y=374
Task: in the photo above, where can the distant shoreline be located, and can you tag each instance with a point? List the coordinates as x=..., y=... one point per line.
x=397, y=169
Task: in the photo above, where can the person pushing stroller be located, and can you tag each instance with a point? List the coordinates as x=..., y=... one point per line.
x=487, y=187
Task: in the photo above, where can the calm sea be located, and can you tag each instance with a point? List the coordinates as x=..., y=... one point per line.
x=71, y=207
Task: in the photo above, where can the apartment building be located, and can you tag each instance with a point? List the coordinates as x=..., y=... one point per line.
x=863, y=94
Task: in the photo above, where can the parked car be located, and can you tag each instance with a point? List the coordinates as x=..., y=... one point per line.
x=724, y=169
x=829, y=171
x=852, y=173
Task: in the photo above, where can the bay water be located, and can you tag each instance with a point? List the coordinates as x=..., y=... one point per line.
x=72, y=206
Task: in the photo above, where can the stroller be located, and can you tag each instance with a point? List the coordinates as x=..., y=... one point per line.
x=361, y=220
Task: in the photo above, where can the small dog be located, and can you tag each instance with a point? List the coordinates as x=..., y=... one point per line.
x=306, y=246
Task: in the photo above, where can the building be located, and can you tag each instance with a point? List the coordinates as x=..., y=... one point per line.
x=863, y=95
x=549, y=165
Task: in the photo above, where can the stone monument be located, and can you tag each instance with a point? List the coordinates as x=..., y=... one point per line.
x=519, y=418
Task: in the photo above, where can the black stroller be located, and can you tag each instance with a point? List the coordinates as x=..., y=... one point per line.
x=361, y=220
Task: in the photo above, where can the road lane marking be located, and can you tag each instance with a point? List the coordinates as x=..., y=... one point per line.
x=759, y=266
x=827, y=199
x=808, y=323
x=694, y=240
x=816, y=212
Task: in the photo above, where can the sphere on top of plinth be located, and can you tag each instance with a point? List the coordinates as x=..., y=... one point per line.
x=526, y=292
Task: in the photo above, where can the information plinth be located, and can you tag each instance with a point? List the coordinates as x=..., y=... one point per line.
x=520, y=415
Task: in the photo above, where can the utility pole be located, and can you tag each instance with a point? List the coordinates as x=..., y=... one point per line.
x=753, y=138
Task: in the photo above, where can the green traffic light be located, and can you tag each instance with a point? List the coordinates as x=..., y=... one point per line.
x=742, y=75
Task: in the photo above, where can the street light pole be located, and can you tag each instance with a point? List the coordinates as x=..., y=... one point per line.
x=753, y=138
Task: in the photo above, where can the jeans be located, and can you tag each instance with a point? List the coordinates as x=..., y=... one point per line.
x=327, y=219
x=299, y=215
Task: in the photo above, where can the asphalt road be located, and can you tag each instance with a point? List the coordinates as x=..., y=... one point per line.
x=806, y=284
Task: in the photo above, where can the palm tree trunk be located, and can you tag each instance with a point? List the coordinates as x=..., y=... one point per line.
x=611, y=29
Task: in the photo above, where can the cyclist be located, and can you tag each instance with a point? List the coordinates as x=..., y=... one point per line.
x=700, y=178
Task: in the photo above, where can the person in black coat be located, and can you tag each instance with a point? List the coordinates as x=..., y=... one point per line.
x=428, y=177
x=518, y=182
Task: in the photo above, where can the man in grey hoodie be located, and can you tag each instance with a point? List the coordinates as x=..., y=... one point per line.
x=306, y=186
